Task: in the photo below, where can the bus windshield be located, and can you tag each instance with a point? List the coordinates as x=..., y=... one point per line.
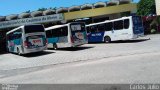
x=33, y=28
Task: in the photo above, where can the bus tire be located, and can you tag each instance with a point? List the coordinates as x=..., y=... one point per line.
x=55, y=46
x=18, y=51
x=107, y=39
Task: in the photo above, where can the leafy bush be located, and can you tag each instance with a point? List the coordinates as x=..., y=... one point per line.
x=153, y=31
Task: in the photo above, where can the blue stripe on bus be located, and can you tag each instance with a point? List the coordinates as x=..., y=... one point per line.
x=53, y=40
x=96, y=37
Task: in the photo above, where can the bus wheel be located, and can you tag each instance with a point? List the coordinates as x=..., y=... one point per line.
x=107, y=39
x=55, y=46
x=18, y=51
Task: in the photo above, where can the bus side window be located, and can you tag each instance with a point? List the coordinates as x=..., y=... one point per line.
x=10, y=36
x=96, y=28
x=118, y=25
x=88, y=29
x=101, y=27
x=59, y=32
x=49, y=34
x=55, y=32
x=7, y=37
x=17, y=34
x=126, y=23
x=93, y=28
x=109, y=26
x=64, y=31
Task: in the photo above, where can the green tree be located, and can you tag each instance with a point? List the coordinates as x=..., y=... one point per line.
x=146, y=7
x=27, y=11
x=53, y=8
x=42, y=9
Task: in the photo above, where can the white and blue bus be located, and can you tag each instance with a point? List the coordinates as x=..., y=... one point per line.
x=125, y=28
x=26, y=39
x=68, y=35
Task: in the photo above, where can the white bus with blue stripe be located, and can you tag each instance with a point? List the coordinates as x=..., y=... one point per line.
x=68, y=35
x=26, y=39
x=125, y=28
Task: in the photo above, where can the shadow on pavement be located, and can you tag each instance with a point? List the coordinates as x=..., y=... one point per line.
x=96, y=43
x=71, y=48
x=130, y=41
x=122, y=41
x=2, y=52
x=37, y=54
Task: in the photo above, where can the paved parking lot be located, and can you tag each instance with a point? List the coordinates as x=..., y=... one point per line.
x=82, y=63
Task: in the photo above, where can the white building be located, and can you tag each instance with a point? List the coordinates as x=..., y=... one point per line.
x=157, y=6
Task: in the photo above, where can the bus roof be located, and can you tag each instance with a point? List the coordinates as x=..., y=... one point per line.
x=109, y=21
x=126, y=17
x=20, y=27
x=14, y=29
x=58, y=26
x=95, y=23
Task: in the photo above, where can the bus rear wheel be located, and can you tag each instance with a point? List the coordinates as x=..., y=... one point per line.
x=55, y=46
x=107, y=39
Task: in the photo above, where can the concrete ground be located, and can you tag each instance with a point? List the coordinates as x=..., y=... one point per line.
x=121, y=62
